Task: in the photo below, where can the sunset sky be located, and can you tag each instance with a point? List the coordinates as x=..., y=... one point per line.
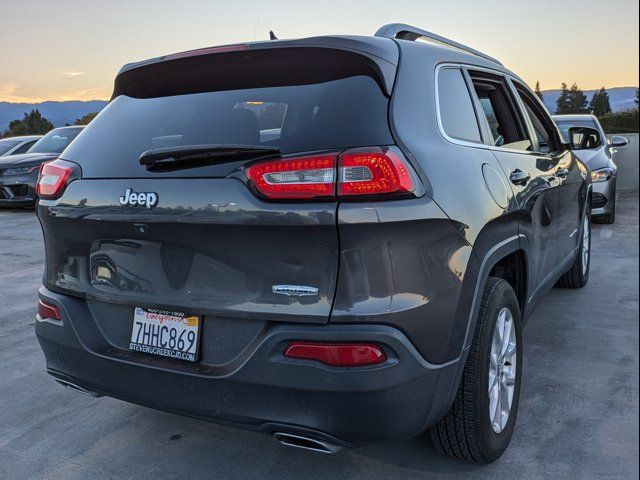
x=71, y=49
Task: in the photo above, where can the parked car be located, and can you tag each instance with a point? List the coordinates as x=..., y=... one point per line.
x=360, y=275
x=19, y=173
x=598, y=154
x=17, y=145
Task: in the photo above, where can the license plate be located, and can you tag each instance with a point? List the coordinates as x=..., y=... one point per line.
x=167, y=334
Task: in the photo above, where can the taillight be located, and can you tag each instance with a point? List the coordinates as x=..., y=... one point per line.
x=362, y=172
x=48, y=311
x=307, y=177
x=373, y=173
x=53, y=178
x=337, y=354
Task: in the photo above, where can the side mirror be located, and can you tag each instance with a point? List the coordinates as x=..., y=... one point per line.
x=584, y=138
x=618, y=141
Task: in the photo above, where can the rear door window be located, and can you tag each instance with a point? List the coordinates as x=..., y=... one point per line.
x=457, y=114
x=500, y=112
x=546, y=137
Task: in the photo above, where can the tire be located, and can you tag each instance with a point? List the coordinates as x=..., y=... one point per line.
x=466, y=431
x=607, y=218
x=578, y=274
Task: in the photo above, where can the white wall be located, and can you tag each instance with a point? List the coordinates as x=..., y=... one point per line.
x=627, y=161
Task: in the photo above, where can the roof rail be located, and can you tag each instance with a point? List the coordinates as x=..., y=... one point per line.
x=408, y=32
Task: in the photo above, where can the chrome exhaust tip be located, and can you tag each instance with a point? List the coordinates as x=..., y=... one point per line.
x=305, y=443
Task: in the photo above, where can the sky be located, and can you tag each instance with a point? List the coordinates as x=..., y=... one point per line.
x=72, y=49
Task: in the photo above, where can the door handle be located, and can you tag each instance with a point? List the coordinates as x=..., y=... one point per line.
x=562, y=172
x=518, y=177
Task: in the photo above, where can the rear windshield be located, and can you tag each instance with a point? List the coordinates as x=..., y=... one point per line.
x=294, y=116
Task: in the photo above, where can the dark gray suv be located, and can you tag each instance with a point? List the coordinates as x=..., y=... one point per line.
x=332, y=240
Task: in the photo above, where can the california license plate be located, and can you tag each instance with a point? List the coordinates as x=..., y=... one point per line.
x=164, y=333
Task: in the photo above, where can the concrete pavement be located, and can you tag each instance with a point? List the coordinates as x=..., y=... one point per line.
x=578, y=415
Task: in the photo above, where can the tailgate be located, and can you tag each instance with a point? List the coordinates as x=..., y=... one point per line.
x=209, y=247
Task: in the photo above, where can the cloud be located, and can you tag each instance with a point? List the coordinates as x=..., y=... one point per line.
x=7, y=94
x=72, y=74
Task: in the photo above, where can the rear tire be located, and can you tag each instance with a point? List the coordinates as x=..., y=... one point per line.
x=469, y=430
x=578, y=274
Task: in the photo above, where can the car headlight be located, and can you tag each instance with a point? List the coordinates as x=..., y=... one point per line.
x=20, y=171
x=601, y=175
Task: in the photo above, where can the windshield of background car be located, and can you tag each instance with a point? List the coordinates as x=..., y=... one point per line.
x=55, y=141
x=565, y=125
x=6, y=145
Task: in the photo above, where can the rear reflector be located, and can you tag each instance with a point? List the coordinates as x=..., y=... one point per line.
x=53, y=178
x=48, y=311
x=337, y=354
x=371, y=172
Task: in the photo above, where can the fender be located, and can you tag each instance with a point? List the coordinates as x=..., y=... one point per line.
x=489, y=259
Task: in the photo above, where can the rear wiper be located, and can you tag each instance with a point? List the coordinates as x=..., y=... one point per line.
x=190, y=156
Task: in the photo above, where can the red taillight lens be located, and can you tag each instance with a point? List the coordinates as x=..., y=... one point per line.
x=373, y=173
x=337, y=354
x=364, y=172
x=306, y=178
x=46, y=310
x=53, y=178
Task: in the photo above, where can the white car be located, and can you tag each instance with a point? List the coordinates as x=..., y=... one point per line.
x=17, y=145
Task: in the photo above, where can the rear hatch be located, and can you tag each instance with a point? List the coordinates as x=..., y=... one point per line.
x=201, y=238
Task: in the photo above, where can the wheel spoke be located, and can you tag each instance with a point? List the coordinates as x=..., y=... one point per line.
x=502, y=370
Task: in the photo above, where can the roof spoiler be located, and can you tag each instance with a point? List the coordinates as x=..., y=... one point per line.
x=403, y=31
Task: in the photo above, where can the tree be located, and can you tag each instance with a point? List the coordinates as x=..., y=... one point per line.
x=33, y=123
x=571, y=100
x=600, y=103
x=538, y=92
x=85, y=119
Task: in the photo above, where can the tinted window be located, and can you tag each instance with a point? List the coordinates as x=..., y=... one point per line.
x=55, y=141
x=565, y=125
x=6, y=145
x=23, y=148
x=540, y=121
x=500, y=114
x=347, y=112
x=456, y=108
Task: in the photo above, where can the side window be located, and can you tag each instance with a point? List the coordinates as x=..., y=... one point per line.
x=457, y=114
x=547, y=141
x=23, y=148
x=500, y=114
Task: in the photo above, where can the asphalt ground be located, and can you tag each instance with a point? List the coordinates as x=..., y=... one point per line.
x=578, y=414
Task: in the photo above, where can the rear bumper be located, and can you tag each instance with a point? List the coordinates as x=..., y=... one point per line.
x=18, y=190
x=259, y=388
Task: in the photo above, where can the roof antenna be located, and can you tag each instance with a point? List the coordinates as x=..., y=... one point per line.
x=272, y=36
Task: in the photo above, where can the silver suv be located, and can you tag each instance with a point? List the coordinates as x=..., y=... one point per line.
x=598, y=154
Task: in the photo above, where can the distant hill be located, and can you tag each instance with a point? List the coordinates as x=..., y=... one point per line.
x=59, y=113
x=620, y=98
